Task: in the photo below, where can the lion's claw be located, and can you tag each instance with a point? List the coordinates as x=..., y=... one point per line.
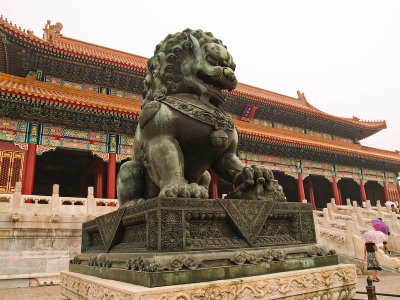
x=256, y=182
x=184, y=190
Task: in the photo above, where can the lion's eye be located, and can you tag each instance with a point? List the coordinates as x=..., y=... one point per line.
x=211, y=60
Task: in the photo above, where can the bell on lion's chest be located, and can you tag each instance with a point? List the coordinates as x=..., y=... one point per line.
x=218, y=138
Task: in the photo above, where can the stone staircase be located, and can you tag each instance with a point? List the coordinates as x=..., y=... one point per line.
x=341, y=227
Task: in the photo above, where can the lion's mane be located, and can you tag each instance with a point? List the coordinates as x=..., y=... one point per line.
x=164, y=75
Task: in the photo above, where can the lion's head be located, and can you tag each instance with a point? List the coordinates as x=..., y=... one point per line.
x=191, y=61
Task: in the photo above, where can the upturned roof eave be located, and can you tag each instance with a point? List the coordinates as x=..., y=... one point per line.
x=47, y=92
x=260, y=133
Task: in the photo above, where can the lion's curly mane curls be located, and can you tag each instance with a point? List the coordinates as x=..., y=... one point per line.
x=164, y=69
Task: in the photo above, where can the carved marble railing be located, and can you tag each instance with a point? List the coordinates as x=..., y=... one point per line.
x=55, y=206
x=341, y=227
x=40, y=234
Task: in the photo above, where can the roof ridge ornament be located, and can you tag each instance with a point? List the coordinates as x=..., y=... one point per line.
x=301, y=97
x=52, y=32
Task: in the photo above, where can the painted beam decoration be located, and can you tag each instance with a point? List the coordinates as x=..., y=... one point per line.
x=348, y=172
x=87, y=87
x=291, y=166
x=317, y=168
x=373, y=175
x=50, y=137
x=248, y=112
x=281, y=164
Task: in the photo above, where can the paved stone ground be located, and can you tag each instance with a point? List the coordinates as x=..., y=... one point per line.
x=35, y=293
x=389, y=284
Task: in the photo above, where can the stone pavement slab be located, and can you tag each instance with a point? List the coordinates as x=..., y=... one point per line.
x=389, y=284
x=33, y=293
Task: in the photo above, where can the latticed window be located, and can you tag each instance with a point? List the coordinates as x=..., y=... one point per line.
x=11, y=163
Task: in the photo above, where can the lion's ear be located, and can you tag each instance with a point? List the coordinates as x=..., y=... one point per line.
x=195, y=45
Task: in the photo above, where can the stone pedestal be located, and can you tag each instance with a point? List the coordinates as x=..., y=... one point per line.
x=255, y=246
x=179, y=224
x=168, y=241
x=332, y=282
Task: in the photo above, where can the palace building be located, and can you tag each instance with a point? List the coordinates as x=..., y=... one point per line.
x=69, y=110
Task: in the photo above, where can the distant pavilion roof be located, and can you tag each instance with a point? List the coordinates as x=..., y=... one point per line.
x=275, y=135
x=301, y=104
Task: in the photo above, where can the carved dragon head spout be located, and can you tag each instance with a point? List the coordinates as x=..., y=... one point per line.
x=191, y=61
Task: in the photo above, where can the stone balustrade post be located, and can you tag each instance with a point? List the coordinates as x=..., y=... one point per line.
x=349, y=238
x=368, y=205
x=55, y=203
x=90, y=203
x=356, y=224
x=355, y=206
x=360, y=217
x=325, y=221
x=348, y=201
x=334, y=205
x=16, y=201
x=330, y=210
x=395, y=228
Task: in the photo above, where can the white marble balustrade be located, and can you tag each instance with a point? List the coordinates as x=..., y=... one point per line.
x=341, y=227
x=40, y=234
x=18, y=204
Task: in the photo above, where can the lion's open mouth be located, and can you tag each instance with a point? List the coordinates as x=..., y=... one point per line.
x=208, y=80
x=215, y=84
x=218, y=82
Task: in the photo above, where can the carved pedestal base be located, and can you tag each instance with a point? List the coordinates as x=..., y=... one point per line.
x=332, y=282
x=178, y=224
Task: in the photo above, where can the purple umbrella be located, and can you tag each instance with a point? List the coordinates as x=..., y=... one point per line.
x=379, y=225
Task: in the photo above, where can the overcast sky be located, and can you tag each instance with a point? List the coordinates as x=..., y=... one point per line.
x=344, y=55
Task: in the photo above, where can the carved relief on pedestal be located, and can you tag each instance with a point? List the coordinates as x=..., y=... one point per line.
x=336, y=282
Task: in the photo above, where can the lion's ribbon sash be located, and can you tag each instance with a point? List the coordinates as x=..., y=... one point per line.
x=200, y=112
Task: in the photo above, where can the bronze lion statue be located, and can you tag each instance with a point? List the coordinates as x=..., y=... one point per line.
x=183, y=130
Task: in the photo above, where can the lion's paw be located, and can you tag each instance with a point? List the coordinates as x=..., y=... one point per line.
x=184, y=190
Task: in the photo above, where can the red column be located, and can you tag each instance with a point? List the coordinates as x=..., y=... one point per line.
x=398, y=192
x=30, y=169
x=340, y=195
x=362, y=191
x=214, y=186
x=311, y=192
x=98, y=178
x=385, y=190
x=335, y=191
x=112, y=160
x=24, y=171
x=300, y=187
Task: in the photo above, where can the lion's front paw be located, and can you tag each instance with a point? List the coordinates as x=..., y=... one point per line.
x=257, y=183
x=184, y=190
